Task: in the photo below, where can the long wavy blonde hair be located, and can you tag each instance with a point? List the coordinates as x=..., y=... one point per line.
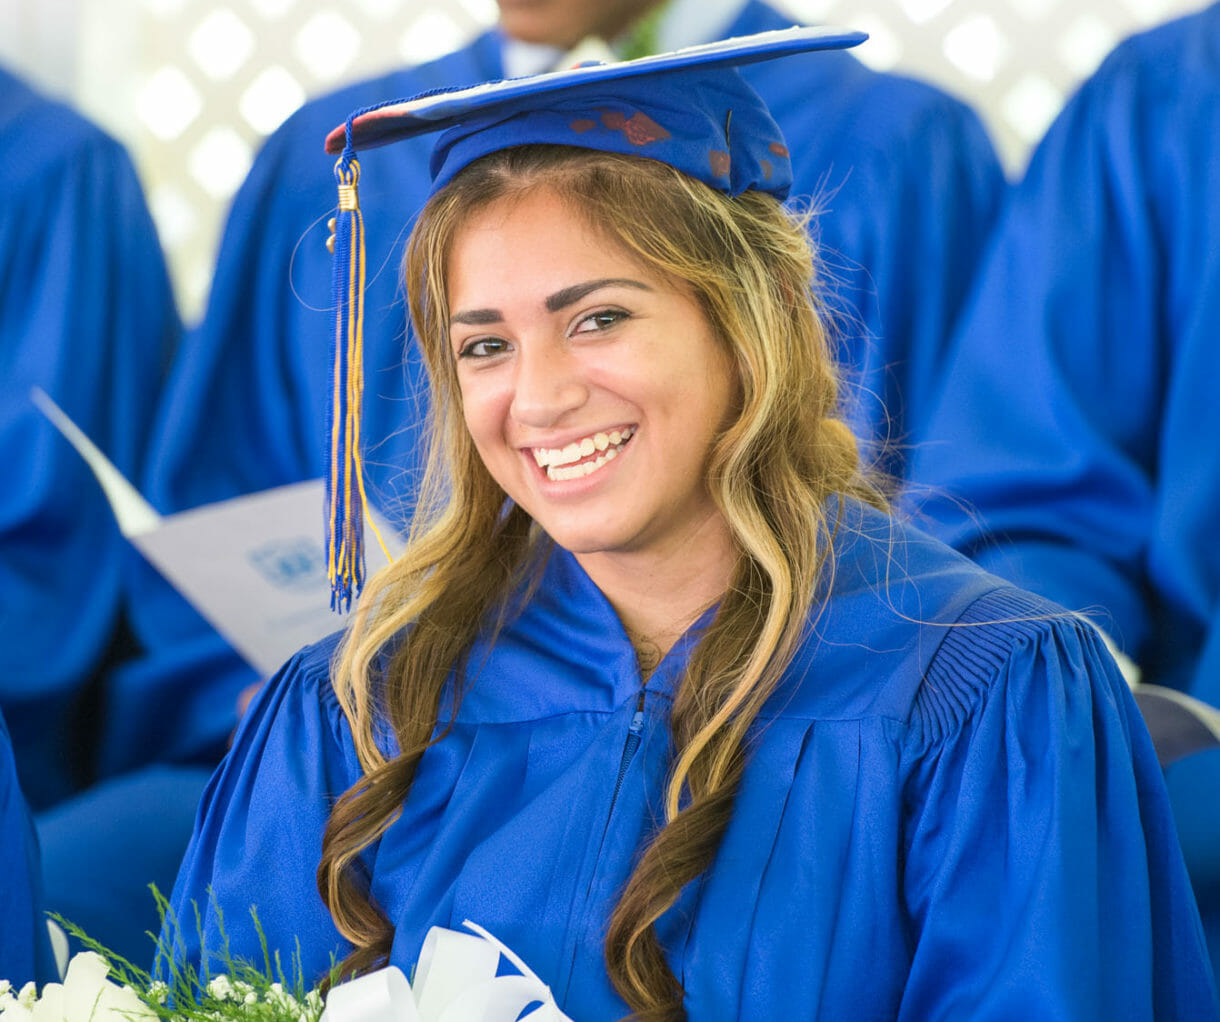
x=777, y=474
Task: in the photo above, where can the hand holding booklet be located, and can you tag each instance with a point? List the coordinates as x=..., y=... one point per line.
x=253, y=566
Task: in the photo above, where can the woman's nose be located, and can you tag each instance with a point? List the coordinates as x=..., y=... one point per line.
x=548, y=384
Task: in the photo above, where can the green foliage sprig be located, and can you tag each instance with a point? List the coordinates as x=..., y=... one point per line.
x=224, y=989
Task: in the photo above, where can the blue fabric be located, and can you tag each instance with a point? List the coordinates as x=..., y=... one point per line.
x=103, y=848
x=25, y=947
x=637, y=118
x=950, y=810
x=86, y=313
x=913, y=182
x=1194, y=784
x=1079, y=421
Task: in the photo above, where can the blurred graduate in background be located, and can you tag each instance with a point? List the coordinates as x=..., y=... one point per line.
x=86, y=314
x=1075, y=446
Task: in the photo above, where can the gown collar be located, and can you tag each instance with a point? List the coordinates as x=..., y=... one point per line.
x=565, y=651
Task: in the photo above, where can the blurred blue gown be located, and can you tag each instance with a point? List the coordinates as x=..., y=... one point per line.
x=86, y=313
x=951, y=809
x=912, y=184
x=1080, y=423
x=25, y=949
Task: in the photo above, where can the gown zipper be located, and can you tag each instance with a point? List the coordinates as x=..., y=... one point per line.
x=630, y=747
x=629, y=750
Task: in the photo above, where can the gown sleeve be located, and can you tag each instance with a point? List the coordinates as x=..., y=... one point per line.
x=257, y=837
x=1042, y=874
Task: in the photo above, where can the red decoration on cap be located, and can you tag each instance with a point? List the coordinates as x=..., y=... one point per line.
x=640, y=129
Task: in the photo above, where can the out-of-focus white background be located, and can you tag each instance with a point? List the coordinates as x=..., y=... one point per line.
x=191, y=86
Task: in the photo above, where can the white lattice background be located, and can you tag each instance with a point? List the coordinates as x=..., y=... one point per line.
x=191, y=86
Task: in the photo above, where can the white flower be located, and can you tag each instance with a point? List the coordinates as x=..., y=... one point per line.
x=12, y=1010
x=221, y=988
x=19, y=1007
x=85, y=995
x=282, y=1000
x=90, y=997
x=52, y=1007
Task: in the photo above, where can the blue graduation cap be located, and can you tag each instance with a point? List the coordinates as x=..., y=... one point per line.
x=690, y=109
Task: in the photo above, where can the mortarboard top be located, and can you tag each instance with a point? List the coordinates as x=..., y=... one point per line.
x=689, y=108
x=686, y=108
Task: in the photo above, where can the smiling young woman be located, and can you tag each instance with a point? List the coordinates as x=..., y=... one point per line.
x=659, y=692
x=547, y=315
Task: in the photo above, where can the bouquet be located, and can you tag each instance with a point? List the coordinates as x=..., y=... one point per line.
x=101, y=986
x=460, y=977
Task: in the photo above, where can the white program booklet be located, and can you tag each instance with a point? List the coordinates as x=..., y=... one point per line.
x=253, y=566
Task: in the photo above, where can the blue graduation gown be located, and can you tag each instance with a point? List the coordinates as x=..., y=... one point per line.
x=912, y=181
x=1079, y=422
x=86, y=313
x=25, y=948
x=950, y=810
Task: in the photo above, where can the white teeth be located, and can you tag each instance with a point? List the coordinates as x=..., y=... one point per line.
x=560, y=463
x=578, y=449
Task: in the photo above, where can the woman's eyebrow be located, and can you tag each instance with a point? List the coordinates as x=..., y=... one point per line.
x=566, y=296
x=477, y=317
x=559, y=300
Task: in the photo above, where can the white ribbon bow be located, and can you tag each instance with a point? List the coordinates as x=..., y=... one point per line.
x=455, y=981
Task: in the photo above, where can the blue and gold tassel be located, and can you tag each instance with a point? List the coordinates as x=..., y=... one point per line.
x=345, y=500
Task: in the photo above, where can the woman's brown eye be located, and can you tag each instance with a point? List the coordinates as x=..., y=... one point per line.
x=484, y=347
x=600, y=321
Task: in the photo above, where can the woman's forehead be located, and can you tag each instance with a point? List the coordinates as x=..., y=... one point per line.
x=541, y=209
x=540, y=241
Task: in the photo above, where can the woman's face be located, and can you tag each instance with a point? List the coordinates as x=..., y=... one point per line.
x=593, y=389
